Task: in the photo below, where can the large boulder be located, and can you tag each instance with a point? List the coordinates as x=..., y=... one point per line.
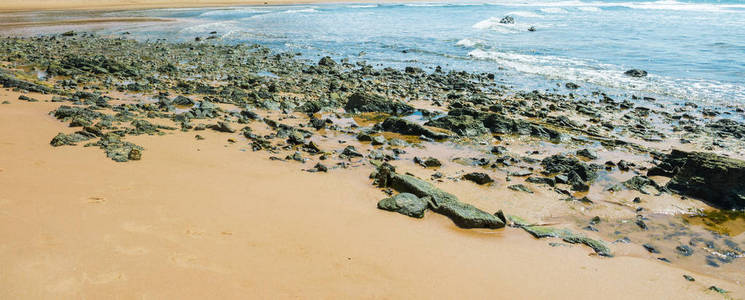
x=403, y=126
x=462, y=125
x=713, y=178
x=366, y=102
x=405, y=204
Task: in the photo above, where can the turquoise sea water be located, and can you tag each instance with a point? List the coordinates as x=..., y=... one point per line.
x=693, y=50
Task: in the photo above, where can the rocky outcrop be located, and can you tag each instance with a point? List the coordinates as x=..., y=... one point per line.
x=577, y=173
x=68, y=139
x=462, y=214
x=11, y=82
x=727, y=128
x=462, y=125
x=713, y=178
x=403, y=126
x=366, y=102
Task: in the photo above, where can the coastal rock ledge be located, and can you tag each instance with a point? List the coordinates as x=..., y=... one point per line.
x=716, y=179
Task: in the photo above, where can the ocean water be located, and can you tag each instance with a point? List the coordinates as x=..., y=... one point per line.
x=693, y=50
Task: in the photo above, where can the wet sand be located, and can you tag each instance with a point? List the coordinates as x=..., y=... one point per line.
x=200, y=219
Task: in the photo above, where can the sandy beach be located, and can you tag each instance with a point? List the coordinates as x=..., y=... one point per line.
x=208, y=169
x=203, y=220
x=36, y=5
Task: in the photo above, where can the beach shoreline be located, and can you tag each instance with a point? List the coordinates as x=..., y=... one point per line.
x=197, y=220
x=14, y=6
x=187, y=182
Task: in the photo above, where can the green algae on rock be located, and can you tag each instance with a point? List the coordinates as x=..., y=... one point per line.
x=539, y=232
x=462, y=214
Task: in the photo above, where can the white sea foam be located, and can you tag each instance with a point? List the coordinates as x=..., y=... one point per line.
x=222, y=27
x=553, y=10
x=304, y=10
x=524, y=14
x=656, y=5
x=469, y=43
x=612, y=76
x=426, y=4
x=494, y=24
x=231, y=11
x=362, y=6
x=589, y=8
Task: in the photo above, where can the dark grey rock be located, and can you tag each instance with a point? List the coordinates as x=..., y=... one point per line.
x=462, y=125
x=367, y=102
x=715, y=179
x=520, y=188
x=478, y=177
x=403, y=126
x=405, y=204
x=636, y=73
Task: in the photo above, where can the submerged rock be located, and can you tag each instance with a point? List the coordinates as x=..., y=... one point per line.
x=642, y=183
x=544, y=232
x=405, y=204
x=713, y=178
x=520, y=188
x=635, y=73
x=684, y=250
x=650, y=248
x=507, y=20
x=366, y=102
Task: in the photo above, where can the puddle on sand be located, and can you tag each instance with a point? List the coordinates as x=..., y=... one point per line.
x=369, y=118
x=725, y=222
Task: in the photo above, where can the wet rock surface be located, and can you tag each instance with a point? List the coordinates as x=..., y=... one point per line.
x=367, y=102
x=462, y=214
x=717, y=179
x=405, y=204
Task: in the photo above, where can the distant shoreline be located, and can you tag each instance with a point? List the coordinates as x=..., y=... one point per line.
x=64, y=5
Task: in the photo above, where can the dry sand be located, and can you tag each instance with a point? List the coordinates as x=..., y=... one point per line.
x=30, y=5
x=202, y=219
